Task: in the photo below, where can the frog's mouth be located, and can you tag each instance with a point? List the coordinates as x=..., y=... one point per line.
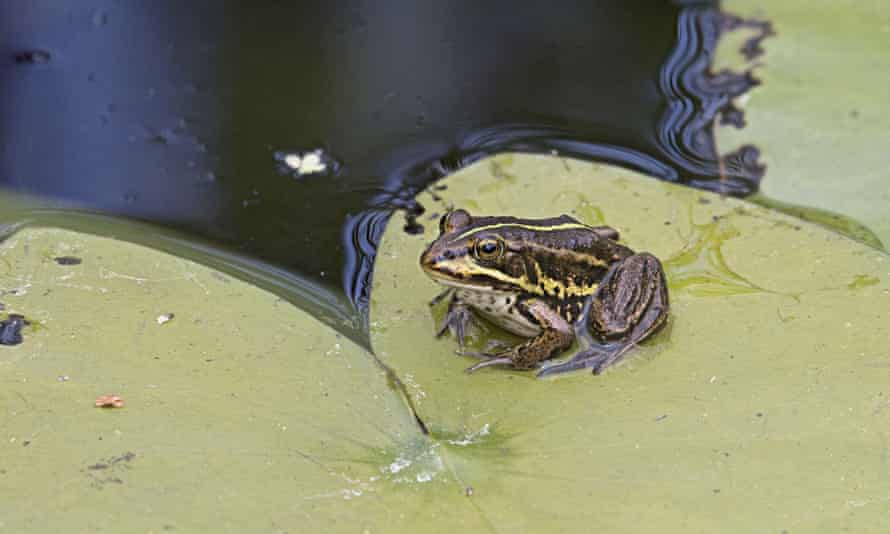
x=444, y=276
x=450, y=282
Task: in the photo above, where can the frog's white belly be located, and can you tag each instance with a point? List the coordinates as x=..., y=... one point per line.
x=499, y=307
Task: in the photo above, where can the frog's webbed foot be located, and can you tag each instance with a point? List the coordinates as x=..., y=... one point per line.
x=459, y=319
x=597, y=358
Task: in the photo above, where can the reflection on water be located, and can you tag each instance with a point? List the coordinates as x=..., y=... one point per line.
x=274, y=141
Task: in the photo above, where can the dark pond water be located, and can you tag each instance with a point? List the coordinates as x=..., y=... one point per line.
x=274, y=140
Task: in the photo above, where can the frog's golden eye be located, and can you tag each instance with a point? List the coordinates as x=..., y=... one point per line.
x=489, y=249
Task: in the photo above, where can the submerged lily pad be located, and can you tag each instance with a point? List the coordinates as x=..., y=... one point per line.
x=819, y=117
x=762, y=408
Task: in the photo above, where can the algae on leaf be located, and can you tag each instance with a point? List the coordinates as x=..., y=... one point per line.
x=756, y=409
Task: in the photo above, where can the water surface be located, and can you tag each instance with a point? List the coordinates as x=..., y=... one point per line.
x=200, y=118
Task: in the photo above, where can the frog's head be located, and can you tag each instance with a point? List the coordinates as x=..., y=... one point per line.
x=478, y=253
x=556, y=257
x=468, y=254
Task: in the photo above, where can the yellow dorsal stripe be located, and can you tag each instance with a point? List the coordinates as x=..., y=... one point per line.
x=550, y=286
x=549, y=228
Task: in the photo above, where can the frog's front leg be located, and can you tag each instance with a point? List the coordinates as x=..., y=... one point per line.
x=459, y=318
x=556, y=336
x=630, y=304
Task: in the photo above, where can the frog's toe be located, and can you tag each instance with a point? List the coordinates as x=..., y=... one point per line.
x=490, y=362
x=602, y=363
x=458, y=322
x=489, y=359
x=441, y=296
x=571, y=365
x=497, y=346
x=485, y=355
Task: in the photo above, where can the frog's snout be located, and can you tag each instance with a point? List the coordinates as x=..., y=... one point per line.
x=437, y=260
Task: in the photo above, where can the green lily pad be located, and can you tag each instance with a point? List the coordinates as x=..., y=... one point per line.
x=761, y=408
x=241, y=413
x=819, y=117
x=763, y=401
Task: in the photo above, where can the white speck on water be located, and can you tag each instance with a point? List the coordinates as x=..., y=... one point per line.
x=293, y=161
x=305, y=163
x=165, y=318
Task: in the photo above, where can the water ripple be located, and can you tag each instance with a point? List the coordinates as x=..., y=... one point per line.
x=697, y=97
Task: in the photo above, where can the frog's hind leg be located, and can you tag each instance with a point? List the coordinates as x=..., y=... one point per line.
x=591, y=355
x=527, y=355
x=630, y=304
x=556, y=336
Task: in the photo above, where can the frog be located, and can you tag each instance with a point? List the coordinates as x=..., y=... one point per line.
x=550, y=281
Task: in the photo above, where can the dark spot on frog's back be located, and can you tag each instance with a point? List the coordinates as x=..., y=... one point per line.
x=514, y=266
x=531, y=272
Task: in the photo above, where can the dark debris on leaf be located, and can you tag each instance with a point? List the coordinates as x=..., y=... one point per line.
x=68, y=260
x=11, y=329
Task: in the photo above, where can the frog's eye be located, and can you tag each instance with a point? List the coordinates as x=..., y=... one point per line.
x=489, y=249
x=454, y=220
